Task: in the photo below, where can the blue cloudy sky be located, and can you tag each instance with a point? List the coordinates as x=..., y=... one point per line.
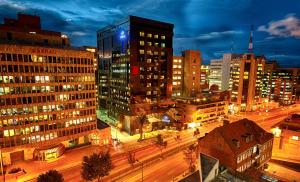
x=212, y=26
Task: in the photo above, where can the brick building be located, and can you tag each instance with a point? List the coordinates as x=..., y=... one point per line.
x=239, y=145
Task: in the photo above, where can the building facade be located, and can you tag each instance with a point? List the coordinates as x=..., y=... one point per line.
x=190, y=74
x=135, y=61
x=204, y=81
x=215, y=75
x=202, y=113
x=246, y=80
x=192, y=71
x=238, y=145
x=47, y=91
x=220, y=71
x=178, y=74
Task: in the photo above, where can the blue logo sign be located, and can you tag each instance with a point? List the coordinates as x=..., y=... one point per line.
x=122, y=35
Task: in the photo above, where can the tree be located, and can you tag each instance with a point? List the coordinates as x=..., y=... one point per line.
x=131, y=158
x=140, y=108
x=96, y=166
x=161, y=143
x=51, y=176
x=191, y=156
x=142, y=121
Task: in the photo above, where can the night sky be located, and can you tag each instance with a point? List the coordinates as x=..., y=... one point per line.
x=212, y=26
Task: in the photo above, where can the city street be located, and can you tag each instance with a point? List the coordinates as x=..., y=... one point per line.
x=165, y=170
x=145, y=148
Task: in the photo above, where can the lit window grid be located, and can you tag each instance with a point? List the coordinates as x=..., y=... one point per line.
x=13, y=68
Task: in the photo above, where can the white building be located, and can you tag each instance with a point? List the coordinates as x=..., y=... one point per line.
x=220, y=71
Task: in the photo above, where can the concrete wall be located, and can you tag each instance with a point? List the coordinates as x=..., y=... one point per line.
x=285, y=146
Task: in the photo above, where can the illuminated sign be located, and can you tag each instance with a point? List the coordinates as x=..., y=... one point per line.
x=42, y=51
x=135, y=70
x=122, y=35
x=165, y=119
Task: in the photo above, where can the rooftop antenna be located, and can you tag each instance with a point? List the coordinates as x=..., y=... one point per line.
x=250, y=48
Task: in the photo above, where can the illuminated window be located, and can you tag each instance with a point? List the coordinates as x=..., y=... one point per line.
x=175, y=61
x=156, y=36
x=163, y=53
x=149, y=43
x=179, y=60
x=142, y=34
x=295, y=137
x=194, y=72
x=142, y=43
x=6, y=133
x=179, y=66
x=163, y=45
x=163, y=37
x=142, y=51
x=174, y=66
x=149, y=35
x=174, y=83
x=156, y=44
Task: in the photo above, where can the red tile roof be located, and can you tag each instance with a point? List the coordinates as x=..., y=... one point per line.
x=238, y=132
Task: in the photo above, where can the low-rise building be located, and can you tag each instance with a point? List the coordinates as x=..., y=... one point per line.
x=199, y=112
x=239, y=145
x=287, y=138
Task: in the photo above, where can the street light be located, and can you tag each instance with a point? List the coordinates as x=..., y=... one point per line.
x=119, y=126
x=142, y=169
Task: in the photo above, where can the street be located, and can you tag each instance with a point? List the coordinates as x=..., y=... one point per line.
x=144, y=149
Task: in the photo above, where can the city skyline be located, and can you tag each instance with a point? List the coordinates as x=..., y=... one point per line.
x=213, y=28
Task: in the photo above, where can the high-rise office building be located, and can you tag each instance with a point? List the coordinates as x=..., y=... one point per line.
x=204, y=81
x=246, y=82
x=189, y=69
x=47, y=91
x=135, y=61
x=215, y=75
x=283, y=85
x=192, y=70
x=220, y=71
x=280, y=84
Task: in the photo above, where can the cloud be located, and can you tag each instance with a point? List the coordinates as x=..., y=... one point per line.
x=287, y=27
x=212, y=35
x=78, y=33
x=14, y=5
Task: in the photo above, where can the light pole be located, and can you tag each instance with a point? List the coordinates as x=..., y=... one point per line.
x=119, y=126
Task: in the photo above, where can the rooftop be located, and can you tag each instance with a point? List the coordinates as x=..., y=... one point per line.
x=207, y=164
x=243, y=134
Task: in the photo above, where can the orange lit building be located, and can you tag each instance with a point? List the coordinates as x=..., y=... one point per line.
x=187, y=74
x=177, y=76
x=246, y=76
x=47, y=92
x=238, y=145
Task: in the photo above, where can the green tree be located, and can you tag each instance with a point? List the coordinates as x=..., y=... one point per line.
x=50, y=176
x=142, y=121
x=161, y=143
x=191, y=156
x=96, y=166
